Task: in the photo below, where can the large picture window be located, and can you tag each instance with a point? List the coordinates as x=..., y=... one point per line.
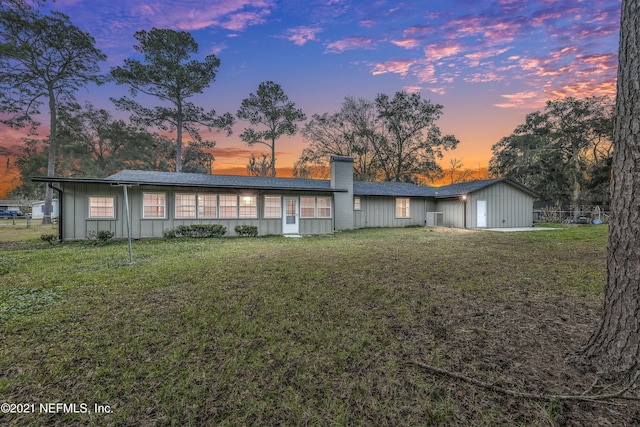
x=154, y=205
x=248, y=207
x=102, y=207
x=207, y=206
x=185, y=205
x=402, y=207
x=272, y=207
x=228, y=206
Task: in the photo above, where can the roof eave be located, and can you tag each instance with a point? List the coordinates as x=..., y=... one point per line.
x=190, y=185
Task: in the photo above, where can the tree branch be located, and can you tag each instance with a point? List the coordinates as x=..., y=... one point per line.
x=620, y=395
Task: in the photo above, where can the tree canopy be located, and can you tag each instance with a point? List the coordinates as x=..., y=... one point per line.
x=562, y=153
x=169, y=74
x=390, y=139
x=42, y=57
x=275, y=115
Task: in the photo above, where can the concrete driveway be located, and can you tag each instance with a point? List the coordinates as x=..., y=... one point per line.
x=514, y=229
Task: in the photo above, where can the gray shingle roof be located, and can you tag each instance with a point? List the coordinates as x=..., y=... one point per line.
x=220, y=181
x=391, y=189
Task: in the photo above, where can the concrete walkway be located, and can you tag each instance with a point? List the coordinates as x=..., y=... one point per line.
x=509, y=230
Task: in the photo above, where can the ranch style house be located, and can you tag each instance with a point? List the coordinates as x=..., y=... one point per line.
x=157, y=201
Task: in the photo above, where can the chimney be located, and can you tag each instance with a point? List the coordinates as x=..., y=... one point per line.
x=342, y=179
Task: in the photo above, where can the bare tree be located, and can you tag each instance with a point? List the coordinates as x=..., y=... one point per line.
x=456, y=174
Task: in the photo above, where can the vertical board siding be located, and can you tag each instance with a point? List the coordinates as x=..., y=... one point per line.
x=507, y=206
x=76, y=223
x=380, y=211
x=452, y=212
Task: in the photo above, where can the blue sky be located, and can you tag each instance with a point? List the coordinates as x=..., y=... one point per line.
x=489, y=63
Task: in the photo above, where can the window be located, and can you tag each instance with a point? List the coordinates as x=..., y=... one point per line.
x=228, y=206
x=402, y=207
x=102, y=207
x=248, y=207
x=356, y=203
x=185, y=205
x=324, y=207
x=207, y=206
x=272, y=207
x=307, y=207
x=153, y=205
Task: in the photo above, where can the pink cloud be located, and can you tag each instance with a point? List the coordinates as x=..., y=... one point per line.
x=527, y=99
x=412, y=89
x=188, y=15
x=398, y=67
x=418, y=30
x=350, y=43
x=426, y=74
x=240, y=21
x=476, y=57
x=435, y=52
x=301, y=35
x=406, y=43
x=438, y=90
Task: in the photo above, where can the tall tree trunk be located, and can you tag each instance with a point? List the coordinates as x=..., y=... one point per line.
x=614, y=348
x=179, y=137
x=51, y=164
x=273, y=157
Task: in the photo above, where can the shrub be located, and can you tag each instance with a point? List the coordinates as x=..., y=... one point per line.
x=246, y=230
x=104, y=235
x=196, y=231
x=49, y=238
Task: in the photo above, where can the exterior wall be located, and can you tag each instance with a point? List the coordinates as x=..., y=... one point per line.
x=452, y=212
x=507, y=206
x=76, y=223
x=342, y=179
x=380, y=211
x=316, y=226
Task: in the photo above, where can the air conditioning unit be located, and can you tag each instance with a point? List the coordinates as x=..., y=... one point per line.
x=435, y=219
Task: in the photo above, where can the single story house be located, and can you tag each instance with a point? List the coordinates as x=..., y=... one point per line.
x=157, y=201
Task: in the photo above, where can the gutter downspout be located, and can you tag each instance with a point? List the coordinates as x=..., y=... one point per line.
x=60, y=210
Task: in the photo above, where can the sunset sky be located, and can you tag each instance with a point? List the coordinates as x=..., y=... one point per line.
x=489, y=63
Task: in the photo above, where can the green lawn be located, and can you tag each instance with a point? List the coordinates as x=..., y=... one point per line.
x=313, y=331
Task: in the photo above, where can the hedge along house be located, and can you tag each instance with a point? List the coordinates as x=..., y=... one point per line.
x=158, y=201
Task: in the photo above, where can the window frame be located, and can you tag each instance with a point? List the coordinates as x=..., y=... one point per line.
x=200, y=206
x=323, y=208
x=307, y=207
x=182, y=205
x=277, y=206
x=357, y=203
x=222, y=207
x=89, y=207
x=406, y=208
x=164, y=205
x=248, y=211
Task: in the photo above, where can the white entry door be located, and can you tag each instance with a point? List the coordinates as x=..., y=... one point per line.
x=481, y=209
x=291, y=217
